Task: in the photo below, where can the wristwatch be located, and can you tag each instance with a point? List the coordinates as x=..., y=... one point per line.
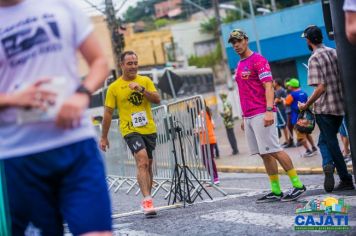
x=269, y=109
x=82, y=89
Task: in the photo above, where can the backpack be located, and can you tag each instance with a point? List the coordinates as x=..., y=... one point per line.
x=305, y=122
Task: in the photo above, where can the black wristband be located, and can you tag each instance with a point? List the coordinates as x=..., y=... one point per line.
x=84, y=90
x=269, y=109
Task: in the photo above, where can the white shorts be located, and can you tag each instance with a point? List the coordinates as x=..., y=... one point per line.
x=260, y=139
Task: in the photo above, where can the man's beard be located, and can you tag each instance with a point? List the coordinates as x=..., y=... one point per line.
x=310, y=48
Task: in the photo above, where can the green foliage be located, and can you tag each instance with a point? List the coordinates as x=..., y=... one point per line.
x=142, y=10
x=244, y=6
x=232, y=16
x=209, y=27
x=146, y=8
x=209, y=60
x=244, y=9
x=162, y=22
x=145, y=11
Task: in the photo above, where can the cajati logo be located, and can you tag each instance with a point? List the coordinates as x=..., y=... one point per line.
x=327, y=214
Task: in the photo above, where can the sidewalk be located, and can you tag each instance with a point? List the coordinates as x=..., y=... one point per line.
x=245, y=163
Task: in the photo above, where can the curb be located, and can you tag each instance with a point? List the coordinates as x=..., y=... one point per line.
x=261, y=169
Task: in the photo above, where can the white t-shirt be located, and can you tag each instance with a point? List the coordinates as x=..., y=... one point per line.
x=350, y=5
x=39, y=39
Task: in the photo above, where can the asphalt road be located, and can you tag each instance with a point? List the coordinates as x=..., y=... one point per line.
x=234, y=214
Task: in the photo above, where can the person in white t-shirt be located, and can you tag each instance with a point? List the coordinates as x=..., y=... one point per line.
x=350, y=20
x=53, y=169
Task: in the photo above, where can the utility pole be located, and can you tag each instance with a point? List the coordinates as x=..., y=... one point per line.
x=346, y=59
x=253, y=18
x=221, y=40
x=114, y=27
x=274, y=6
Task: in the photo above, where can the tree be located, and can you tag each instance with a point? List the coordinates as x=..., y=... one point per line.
x=209, y=27
x=159, y=23
x=142, y=10
x=209, y=60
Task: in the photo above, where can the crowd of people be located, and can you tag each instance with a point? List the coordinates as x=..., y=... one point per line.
x=53, y=168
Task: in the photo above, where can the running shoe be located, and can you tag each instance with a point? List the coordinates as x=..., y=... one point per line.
x=309, y=153
x=348, y=160
x=288, y=145
x=329, y=181
x=271, y=197
x=294, y=194
x=314, y=149
x=148, y=208
x=235, y=153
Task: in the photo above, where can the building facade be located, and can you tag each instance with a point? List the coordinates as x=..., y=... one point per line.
x=168, y=9
x=103, y=34
x=150, y=46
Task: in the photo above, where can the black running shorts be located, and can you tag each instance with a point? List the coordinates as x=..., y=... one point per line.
x=137, y=142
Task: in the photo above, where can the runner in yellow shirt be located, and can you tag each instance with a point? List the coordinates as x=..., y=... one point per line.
x=133, y=94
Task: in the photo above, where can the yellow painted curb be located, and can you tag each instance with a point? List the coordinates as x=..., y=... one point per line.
x=261, y=169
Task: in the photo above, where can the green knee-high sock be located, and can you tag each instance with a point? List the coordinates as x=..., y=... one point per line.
x=293, y=176
x=276, y=188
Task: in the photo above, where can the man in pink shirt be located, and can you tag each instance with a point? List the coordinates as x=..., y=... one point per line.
x=254, y=81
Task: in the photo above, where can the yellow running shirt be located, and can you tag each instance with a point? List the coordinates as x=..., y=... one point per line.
x=134, y=109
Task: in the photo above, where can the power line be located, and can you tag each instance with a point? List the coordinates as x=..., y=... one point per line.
x=94, y=6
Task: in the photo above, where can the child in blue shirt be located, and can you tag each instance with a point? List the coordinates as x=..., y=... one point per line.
x=298, y=95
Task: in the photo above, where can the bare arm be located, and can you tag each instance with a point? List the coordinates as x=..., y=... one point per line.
x=106, y=121
x=73, y=108
x=350, y=25
x=269, y=117
x=97, y=62
x=318, y=91
x=31, y=97
x=6, y=100
x=269, y=93
x=104, y=142
x=152, y=97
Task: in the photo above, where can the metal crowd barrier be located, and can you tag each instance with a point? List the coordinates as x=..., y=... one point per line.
x=188, y=115
x=121, y=165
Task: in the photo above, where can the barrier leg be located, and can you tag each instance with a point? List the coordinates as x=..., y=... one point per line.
x=132, y=186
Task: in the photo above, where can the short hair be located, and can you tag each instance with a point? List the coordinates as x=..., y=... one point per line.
x=279, y=82
x=123, y=55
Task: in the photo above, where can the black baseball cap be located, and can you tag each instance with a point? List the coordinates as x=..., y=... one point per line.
x=313, y=33
x=237, y=34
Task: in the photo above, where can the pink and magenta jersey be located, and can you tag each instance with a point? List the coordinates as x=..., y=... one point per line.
x=250, y=75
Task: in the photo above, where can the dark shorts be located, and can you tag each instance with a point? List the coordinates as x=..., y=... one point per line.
x=137, y=142
x=66, y=184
